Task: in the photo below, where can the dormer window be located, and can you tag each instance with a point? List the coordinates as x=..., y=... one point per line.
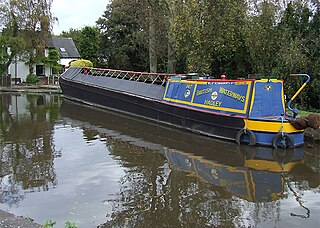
x=62, y=49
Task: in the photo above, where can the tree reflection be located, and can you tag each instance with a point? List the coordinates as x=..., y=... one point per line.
x=27, y=149
x=153, y=194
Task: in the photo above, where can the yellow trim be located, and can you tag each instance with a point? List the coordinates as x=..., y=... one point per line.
x=165, y=92
x=270, y=165
x=297, y=93
x=252, y=97
x=269, y=126
x=188, y=82
x=205, y=106
x=282, y=98
x=194, y=92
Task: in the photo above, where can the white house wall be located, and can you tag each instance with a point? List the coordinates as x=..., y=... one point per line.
x=19, y=70
x=66, y=61
x=23, y=70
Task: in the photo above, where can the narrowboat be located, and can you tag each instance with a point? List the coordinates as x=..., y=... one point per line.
x=248, y=111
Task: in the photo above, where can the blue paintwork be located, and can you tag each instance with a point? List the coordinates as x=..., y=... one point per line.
x=225, y=97
x=268, y=100
x=242, y=181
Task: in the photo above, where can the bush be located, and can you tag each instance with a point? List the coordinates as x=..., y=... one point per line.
x=81, y=63
x=32, y=79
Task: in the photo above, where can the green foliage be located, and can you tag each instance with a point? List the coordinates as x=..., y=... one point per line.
x=32, y=79
x=49, y=224
x=52, y=60
x=70, y=225
x=88, y=46
x=29, y=22
x=235, y=37
x=81, y=63
x=124, y=28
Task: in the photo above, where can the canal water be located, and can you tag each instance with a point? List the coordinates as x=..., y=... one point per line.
x=63, y=161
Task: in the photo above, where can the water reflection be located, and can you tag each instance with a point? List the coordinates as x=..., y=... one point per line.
x=27, y=149
x=196, y=184
x=260, y=178
x=114, y=171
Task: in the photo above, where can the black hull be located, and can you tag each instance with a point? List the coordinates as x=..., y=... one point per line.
x=219, y=126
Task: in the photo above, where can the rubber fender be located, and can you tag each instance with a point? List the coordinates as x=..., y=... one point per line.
x=242, y=132
x=288, y=140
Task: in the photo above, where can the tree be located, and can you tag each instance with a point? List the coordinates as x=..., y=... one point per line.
x=30, y=20
x=262, y=37
x=208, y=33
x=52, y=61
x=11, y=42
x=89, y=43
x=124, y=37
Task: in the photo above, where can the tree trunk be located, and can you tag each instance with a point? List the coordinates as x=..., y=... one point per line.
x=171, y=68
x=31, y=62
x=152, y=38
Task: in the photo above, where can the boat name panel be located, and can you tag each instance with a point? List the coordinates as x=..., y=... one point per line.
x=221, y=96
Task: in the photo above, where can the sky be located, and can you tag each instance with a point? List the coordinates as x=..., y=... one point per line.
x=76, y=13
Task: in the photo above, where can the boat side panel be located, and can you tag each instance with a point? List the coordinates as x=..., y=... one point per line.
x=201, y=122
x=134, y=87
x=264, y=138
x=111, y=99
x=268, y=99
x=225, y=97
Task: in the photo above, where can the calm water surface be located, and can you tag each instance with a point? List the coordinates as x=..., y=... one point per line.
x=62, y=161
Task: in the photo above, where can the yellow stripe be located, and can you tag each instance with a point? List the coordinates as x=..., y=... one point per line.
x=206, y=106
x=194, y=92
x=247, y=97
x=282, y=99
x=188, y=82
x=270, y=165
x=165, y=93
x=270, y=126
x=297, y=93
x=252, y=97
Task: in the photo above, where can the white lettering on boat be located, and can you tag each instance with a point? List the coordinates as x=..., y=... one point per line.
x=203, y=91
x=213, y=103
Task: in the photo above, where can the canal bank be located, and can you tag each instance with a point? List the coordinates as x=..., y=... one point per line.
x=32, y=89
x=10, y=220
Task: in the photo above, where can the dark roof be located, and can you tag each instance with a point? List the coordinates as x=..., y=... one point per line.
x=65, y=46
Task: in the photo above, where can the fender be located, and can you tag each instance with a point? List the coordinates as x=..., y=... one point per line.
x=243, y=132
x=286, y=141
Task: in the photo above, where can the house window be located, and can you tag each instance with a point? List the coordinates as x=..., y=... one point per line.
x=40, y=71
x=62, y=49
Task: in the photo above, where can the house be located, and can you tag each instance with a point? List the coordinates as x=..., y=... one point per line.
x=67, y=51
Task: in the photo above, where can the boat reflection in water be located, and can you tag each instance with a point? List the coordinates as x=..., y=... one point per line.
x=260, y=178
x=236, y=185
x=252, y=173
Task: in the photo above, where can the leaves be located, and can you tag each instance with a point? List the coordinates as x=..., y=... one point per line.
x=29, y=23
